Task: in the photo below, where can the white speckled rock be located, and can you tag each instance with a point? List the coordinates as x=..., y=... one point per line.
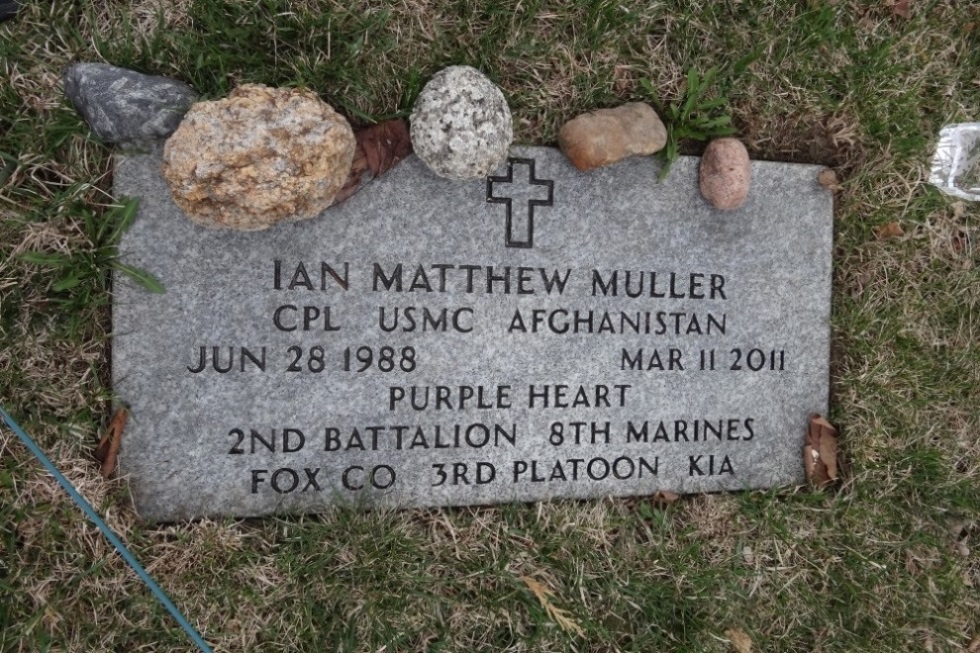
x=461, y=124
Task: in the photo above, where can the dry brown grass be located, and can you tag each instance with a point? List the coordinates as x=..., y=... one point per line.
x=889, y=563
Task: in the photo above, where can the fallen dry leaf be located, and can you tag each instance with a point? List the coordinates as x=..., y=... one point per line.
x=741, y=641
x=559, y=616
x=748, y=555
x=828, y=179
x=379, y=147
x=890, y=230
x=820, y=452
x=108, y=450
x=961, y=240
x=664, y=497
x=902, y=9
x=974, y=646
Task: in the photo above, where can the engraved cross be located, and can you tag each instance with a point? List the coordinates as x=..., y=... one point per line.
x=520, y=220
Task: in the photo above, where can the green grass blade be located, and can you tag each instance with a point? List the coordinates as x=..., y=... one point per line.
x=142, y=277
x=48, y=260
x=693, y=134
x=692, y=93
x=366, y=117
x=743, y=64
x=127, y=213
x=720, y=121
x=413, y=86
x=8, y=165
x=713, y=103
x=647, y=86
x=66, y=283
x=692, y=81
x=708, y=80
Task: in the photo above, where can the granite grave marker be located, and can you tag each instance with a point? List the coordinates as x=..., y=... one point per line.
x=542, y=333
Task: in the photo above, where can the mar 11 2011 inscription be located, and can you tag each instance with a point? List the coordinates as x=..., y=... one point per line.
x=545, y=333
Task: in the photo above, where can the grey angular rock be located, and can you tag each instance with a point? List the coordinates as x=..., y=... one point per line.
x=461, y=124
x=124, y=106
x=8, y=9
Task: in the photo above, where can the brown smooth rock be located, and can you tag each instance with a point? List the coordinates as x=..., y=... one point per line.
x=606, y=136
x=258, y=157
x=726, y=173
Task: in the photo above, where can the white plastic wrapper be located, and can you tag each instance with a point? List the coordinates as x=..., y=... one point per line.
x=956, y=166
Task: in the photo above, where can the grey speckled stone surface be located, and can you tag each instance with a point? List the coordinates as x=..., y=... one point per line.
x=461, y=124
x=768, y=263
x=124, y=106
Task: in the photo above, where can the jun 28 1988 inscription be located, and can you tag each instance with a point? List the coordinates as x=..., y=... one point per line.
x=543, y=334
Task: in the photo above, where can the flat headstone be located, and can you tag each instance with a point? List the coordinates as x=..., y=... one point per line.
x=434, y=343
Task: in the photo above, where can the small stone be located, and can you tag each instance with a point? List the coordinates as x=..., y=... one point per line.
x=461, y=124
x=606, y=136
x=258, y=157
x=726, y=173
x=124, y=106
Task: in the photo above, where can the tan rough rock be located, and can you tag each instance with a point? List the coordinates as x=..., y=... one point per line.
x=258, y=157
x=606, y=136
x=726, y=173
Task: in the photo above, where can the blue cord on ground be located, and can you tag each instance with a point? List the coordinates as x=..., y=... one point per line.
x=111, y=536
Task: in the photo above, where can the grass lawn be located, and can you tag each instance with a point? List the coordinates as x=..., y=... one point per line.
x=889, y=562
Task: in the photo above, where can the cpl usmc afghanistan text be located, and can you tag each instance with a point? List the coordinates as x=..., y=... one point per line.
x=421, y=279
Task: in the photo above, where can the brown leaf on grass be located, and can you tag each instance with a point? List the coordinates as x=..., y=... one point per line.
x=353, y=183
x=385, y=144
x=663, y=497
x=959, y=210
x=820, y=452
x=559, y=616
x=741, y=641
x=379, y=147
x=108, y=450
x=902, y=9
x=890, y=230
x=961, y=240
x=974, y=646
x=828, y=179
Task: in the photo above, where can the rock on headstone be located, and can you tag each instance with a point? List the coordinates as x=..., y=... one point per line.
x=260, y=156
x=545, y=333
x=461, y=124
x=124, y=106
x=606, y=136
x=726, y=173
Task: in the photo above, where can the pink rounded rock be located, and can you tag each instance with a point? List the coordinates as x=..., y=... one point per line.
x=726, y=173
